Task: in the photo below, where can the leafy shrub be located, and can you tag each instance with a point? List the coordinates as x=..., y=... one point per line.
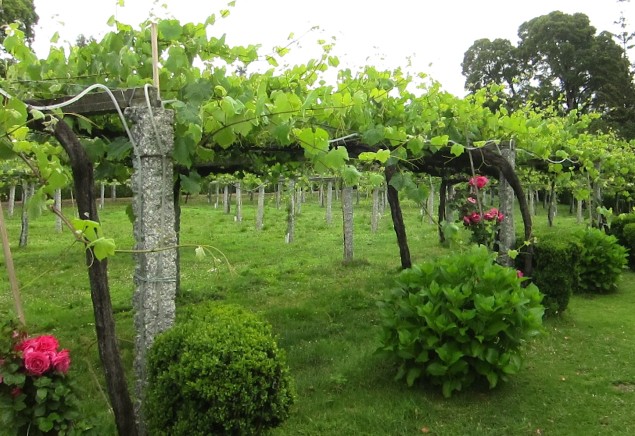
x=459, y=319
x=219, y=373
x=624, y=236
x=629, y=243
x=555, y=272
x=602, y=260
x=618, y=224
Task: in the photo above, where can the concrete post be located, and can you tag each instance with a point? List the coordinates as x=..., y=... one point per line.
x=507, y=239
x=154, y=230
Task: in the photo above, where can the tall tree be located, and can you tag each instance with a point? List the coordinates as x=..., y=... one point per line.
x=560, y=60
x=22, y=11
x=488, y=62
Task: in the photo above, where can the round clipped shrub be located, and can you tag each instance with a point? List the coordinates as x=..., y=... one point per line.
x=629, y=243
x=602, y=261
x=459, y=319
x=219, y=373
x=555, y=272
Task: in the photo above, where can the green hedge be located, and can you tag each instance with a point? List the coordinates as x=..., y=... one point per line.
x=556, y=269
x=219, y=373
x=629, y=242
x=618, y=229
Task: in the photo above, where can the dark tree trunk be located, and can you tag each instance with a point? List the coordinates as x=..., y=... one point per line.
x=397, y=219
x=84, y=182
x=443, y=194
x=177, y=229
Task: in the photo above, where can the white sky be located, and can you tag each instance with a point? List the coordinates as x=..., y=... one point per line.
x=435, y=34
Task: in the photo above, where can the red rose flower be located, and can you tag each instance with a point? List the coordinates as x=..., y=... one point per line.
x=37, y=362
x=478, y=181
x=491, y=214
x=61, y=361
x=40, y=343
x=466, y=220
x=475, y=217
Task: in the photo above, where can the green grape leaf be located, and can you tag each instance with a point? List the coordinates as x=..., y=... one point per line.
x=314, y=142
x=191, y=183
x=350, y=175
x=457, y=149
x=103, y=247
x=36, y=204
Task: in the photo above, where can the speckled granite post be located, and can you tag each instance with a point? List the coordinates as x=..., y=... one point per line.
x=153, y=207
x=506, y=194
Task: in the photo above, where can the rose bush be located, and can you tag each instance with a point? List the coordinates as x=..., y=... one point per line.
x=36, y=394
x=483, y=225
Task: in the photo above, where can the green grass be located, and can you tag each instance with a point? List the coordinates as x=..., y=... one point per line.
x=577, y=379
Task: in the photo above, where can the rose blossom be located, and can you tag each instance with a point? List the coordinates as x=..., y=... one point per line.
x=40, y=343
x=466, y=220
x=478, y=181
x=491, y=214
x=471, y=200
x=519, y=273
x=61, y=361
x=475, y=217
x=37, y=362
x=500, y=217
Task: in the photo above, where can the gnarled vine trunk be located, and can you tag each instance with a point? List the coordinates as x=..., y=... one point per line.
x=84, y=183
x=397, y=219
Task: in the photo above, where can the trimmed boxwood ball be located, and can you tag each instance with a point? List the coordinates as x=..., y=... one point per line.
x=221, y=372
x=629, y=243
x=556, y=264
x=459, y=319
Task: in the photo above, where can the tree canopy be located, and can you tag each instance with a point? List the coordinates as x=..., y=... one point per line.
x=560, y=59
x=22, y=11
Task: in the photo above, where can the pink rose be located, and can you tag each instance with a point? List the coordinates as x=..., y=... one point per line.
x=61, y=361
x=40, y=343
x=475, y=217
x=519, y=273
x=471, y=200
x=500, y=217
x=491, y=214
x=37, y=362
x=466, y=220
x=478, y=181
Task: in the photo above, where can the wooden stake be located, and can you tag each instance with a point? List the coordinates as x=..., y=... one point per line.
x=8, y=259
x=155, y=57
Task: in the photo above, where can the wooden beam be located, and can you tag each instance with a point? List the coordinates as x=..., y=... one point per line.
x=99, y=103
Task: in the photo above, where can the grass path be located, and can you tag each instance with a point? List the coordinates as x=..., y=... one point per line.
x=578, y=379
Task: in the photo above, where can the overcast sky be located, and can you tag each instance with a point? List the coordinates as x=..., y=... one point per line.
x=433, y=34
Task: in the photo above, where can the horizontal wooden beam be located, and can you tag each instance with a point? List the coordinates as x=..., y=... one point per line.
x=99, y=103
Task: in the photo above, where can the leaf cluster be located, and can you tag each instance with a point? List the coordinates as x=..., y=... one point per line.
x=459, y=319
x=602, y=261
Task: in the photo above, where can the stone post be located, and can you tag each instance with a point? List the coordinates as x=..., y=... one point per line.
x=154, y=231
x=507, y=238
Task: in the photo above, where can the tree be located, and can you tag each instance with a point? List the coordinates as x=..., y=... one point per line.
x=560, y=60
x=488, y=62
x=22, y=11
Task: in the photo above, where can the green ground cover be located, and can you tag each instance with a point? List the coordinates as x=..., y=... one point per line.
x=578, y=377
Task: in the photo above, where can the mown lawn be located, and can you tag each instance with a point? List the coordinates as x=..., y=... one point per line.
x=578, y=377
